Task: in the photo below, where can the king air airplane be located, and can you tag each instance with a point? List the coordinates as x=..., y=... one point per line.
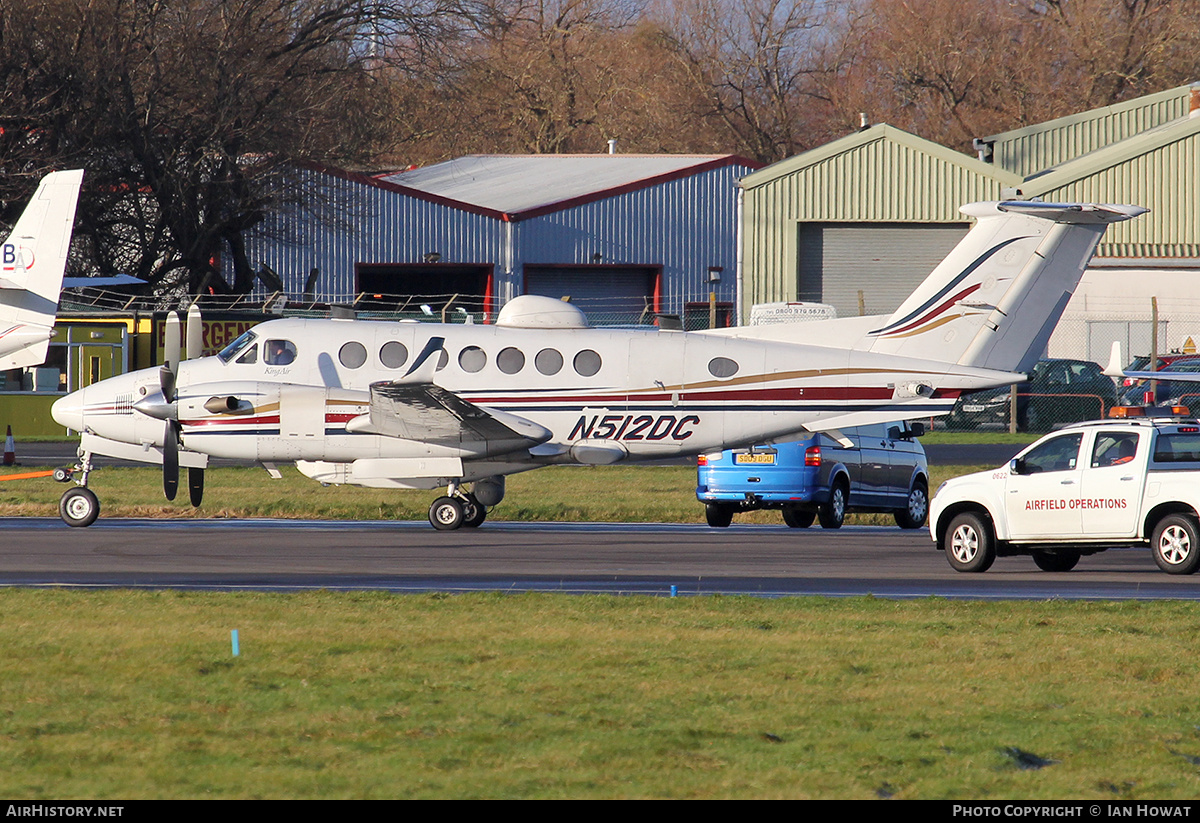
x=416, y=405
x=32, y=261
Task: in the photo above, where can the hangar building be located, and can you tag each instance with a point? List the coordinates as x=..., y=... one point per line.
x=860, y=221
x=623, y=236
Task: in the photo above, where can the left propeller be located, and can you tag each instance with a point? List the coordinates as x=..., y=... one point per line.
x=167, y=408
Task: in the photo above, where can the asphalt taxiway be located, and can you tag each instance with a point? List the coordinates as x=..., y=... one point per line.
x=570, y=557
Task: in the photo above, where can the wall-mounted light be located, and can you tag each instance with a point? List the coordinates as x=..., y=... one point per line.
x=433, y=257
x=714, y=273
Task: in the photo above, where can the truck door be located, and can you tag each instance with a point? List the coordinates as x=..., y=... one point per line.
x=1111, y=493
x=1042, y=501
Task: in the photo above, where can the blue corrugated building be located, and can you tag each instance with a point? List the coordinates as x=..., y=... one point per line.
x=623, y=236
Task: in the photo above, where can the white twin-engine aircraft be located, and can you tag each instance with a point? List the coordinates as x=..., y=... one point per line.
x=416, y=405
x=32, y=260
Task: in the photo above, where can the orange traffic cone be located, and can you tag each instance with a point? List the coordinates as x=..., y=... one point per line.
x=10, y=453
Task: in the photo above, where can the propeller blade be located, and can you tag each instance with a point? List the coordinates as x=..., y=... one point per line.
x=166, y=382
x=195, y=485
x=170, y=366
x=170, y=461
x=171, y=342
x=194, y=333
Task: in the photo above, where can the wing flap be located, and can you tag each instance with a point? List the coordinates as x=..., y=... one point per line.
x=428, y=413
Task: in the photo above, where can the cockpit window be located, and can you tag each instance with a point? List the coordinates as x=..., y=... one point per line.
x=226, y=354
x=250, y=355
x=279, y=352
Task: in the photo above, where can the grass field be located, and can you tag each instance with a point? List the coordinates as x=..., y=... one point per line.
x=125, y=695
x=657, y=494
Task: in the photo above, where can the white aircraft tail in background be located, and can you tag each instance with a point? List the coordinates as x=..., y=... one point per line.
x=32, y=260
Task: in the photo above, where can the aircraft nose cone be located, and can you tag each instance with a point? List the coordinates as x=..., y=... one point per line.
x=68, y=411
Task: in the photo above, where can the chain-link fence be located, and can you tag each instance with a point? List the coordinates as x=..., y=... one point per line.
x=1069, y=385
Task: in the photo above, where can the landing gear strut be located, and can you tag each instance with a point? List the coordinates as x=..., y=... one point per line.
x=457, y=509
x=78, y=506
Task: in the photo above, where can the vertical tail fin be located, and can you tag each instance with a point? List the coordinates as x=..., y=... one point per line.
x=32, y=261
x=995, y=299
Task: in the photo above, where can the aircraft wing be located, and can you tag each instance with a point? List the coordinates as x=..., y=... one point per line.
x=426, y=412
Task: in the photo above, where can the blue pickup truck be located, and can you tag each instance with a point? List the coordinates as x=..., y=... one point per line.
x=819, y=478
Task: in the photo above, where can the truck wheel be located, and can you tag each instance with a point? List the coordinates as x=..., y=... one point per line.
x=717, y=515
x=1060, y=561
x=798, y=518
x=970, y=545
x=833, y=514
x=1176, y=544
x=913, y=516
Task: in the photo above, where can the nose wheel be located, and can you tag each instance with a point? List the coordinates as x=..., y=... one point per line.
x=79, y=506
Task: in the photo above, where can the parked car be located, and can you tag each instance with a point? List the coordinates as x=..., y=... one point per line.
x=818, y=478
x=1058, y=391
x=1134, y=394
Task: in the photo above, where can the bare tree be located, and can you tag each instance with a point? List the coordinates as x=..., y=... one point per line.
x=188, y=114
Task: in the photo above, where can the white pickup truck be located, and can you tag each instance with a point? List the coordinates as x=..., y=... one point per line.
x=1081, y=490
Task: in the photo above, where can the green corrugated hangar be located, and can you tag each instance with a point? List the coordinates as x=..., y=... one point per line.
x=859, y=222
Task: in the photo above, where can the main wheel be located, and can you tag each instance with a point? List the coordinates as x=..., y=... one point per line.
x=1176, y=544
x=970, y=544
x=474, y=512
x=833, y=514
x=718, y=515
x=913, y=516
x=1059, y=561
x=446, y=514
x=798, y=518
x=79, y=507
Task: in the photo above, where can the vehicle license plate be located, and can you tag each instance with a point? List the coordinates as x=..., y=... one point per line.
x=757, y=458
x=973, y=407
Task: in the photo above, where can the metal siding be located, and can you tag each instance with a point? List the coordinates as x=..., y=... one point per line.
x=1166, y=180
x=683, y=225
x=1028, y=151
x=883, y=181
x=364, y=224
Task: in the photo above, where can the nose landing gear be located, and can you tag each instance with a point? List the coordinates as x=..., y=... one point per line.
x=78, y=506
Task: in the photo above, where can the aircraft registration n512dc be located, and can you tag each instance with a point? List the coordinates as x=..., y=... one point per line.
x=32, y=261
x=416, y=405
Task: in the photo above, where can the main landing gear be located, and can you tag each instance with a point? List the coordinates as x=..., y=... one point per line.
x=457, y=509
x=78, y=506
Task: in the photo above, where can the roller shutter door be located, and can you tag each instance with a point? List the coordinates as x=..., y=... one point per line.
x=611, y=293
x=885, y=261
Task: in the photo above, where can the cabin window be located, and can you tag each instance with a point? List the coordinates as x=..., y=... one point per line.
x=443, y=359
x=587, y=363
x=393, y=355
x=722, y=367
x=511, y=361
x=548, y=361
x=472, y=359
x=352, y=355
x=279, y=353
